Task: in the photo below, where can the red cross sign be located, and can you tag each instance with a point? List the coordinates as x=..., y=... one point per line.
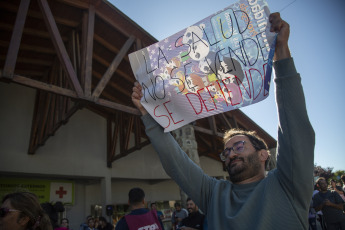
x=61, y=192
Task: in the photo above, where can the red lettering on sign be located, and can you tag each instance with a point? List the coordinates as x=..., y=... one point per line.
x=197, y=113
x=170, y=113
x=154, y=112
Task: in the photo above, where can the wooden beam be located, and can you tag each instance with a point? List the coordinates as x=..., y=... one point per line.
x=137, y=132
x=232, y=120
x=225, y=120
x=113, y=66
x=117, y=106
x=117, y=87
x=69, y=93
x=73, y=51
x=52, y=114
x=87, y=48
x=207, y=131
x=29, y=31
x=36, y=14
x=138, y=44
x=121, y=124
x=118, y=71
x=31, y=48
x=24, y=60
x=206, y=142
x=128, y=131
x=44, y=86
x=43, y=120
x=213, y=124
x=59, y=46
x=108, y=46
x=143, y=144
x=34, y=126
x=13, y=48
x=109, y=129
x=115, y=137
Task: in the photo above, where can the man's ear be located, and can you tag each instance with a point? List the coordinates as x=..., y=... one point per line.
x=263, y=155
x=23, y=221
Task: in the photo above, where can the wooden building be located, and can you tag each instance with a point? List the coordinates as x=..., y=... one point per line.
x=66, y=110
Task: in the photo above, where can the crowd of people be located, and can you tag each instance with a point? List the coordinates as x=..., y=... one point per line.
x=22, y=210
x=327, y=205
x=251, y=199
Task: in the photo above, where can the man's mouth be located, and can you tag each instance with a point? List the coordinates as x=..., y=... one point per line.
x=234, y=161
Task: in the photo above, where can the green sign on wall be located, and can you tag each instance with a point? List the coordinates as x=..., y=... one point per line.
x=46, y=190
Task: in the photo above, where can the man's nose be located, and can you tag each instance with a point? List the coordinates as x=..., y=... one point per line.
x=230, y=157
x=233, y=155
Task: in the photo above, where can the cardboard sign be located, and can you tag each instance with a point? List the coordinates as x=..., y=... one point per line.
x=221, y=63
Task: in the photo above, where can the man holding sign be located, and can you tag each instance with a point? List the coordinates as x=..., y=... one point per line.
x=252, y=199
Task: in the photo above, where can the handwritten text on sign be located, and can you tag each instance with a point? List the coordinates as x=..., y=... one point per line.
x=218, y=64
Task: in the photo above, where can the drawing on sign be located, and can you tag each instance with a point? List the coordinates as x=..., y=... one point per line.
x=219, y=64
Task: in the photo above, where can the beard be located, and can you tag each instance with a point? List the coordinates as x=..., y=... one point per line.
x=240, y=171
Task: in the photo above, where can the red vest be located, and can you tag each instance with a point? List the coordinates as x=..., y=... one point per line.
x=147, y=221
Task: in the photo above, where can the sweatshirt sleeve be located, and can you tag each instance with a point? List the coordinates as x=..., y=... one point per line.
x=296, y=137
x=177, y=164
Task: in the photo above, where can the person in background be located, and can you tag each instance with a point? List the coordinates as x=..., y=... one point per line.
x=194, y=220
x=312, y=217
x=343, y=180
x=331, y=205
x=22, y=211
x=64, y=224
x=336, y=187
x=104, y=225
x=333, y=183
x=140, y=217
x=320, y=224
x=91, y=223
x=340, y=191
x=85, y=226
x=159, y=213
x=178, y=215
x=96, y=222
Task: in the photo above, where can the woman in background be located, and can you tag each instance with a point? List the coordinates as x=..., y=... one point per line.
x=22, y=211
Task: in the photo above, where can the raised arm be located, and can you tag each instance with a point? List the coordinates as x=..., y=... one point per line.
x=296, y=137
x=175, y=161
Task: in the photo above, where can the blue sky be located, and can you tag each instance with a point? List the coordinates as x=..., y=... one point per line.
x=317, y=45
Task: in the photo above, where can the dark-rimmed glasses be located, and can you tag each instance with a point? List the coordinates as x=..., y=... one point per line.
x=4, y=211
x=238, y=148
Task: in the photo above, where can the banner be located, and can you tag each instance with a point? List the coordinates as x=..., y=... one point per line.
x=45, y=190
x=221, y=63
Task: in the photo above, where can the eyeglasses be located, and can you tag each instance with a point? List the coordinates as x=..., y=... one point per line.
x=4, y=211
x=237, y=148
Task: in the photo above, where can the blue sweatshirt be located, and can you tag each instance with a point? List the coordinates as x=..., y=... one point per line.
x=279, y=201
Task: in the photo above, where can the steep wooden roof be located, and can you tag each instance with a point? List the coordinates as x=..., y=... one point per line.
x=75, y=53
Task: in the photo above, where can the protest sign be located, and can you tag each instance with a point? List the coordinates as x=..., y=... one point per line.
x=221, y=63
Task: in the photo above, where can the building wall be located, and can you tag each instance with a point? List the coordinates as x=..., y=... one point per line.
x=77, y=152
